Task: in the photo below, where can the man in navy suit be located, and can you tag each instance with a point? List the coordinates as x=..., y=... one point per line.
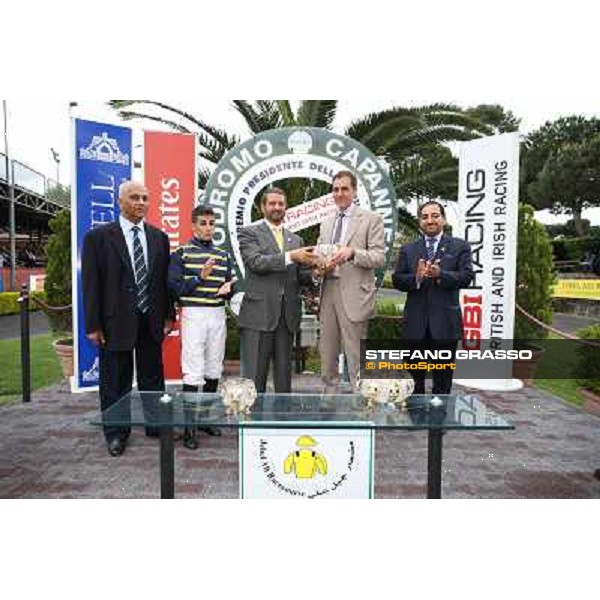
x=432, y=270
x=127, y=308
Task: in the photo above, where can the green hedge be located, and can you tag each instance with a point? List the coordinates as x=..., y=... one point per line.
x=588, y=368
x=575, y=248
x=385, y=325
x=387, y=281
x=9, y=302
x=232, y=344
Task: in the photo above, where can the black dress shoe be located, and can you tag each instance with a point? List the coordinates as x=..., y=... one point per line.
x=189, y=439
x=116, y=447
x=209, y=430
x=153, y=432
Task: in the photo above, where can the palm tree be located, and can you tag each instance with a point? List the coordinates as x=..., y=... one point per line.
x=411, y=140
x=214, y=143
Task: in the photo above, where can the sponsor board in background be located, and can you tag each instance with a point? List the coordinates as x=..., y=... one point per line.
x=103, y=160
x=488, y=201
x=102, y=157
x=585, y=289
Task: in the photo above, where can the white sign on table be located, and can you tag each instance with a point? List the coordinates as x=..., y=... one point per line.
x=306, y=463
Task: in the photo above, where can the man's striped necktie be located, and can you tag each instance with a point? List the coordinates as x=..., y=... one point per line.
x=430, y=248
x=141, y=273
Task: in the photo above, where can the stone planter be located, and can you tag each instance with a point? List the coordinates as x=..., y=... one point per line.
x=591, y=401
x=525, y=369
x=64, y=351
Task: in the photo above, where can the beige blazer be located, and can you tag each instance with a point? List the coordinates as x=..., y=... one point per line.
x=357, y=277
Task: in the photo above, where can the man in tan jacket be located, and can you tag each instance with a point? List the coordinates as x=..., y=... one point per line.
x=348, y=290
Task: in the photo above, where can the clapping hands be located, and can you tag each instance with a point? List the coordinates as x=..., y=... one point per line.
x=428, y=269
x=207, y=268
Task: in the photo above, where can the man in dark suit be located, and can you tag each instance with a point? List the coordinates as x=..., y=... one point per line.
x=433, y=270
x=126, y=303
x=271, y=309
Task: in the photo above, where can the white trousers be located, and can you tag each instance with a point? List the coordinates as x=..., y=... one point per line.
x=203, y=333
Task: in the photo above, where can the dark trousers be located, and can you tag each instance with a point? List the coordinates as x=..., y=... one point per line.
x=116, y=379
x=259, y=347
x=442, y=379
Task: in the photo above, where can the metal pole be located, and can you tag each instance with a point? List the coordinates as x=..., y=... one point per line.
x=167, y=463
x=56, y=157
x=167, y=450
x=434, y=463
x=25, y=354
x=298, y=351
x=11, y=206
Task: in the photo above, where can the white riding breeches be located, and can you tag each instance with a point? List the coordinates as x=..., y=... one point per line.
x=203, y=333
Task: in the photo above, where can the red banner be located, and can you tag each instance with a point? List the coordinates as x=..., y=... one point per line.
x=170, y=176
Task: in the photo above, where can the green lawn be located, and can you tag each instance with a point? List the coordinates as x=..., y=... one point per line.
x=45, y=368
x=555, y=361
x=564, y=388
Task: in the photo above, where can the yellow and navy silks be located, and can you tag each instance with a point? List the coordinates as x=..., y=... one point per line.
x=185, y=283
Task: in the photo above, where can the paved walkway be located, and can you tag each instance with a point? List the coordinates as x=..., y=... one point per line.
x=48, y=450
x=10, y=325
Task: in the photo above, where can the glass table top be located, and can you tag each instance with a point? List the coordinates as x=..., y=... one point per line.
x=288, y=411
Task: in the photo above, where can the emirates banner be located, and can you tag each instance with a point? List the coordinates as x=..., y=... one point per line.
x=170, y=176
x=488, y=198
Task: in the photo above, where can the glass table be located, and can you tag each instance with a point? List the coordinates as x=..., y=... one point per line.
x=297, y=411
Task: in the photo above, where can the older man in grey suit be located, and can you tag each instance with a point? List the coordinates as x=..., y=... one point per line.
x=348, y=290
x=271, y=309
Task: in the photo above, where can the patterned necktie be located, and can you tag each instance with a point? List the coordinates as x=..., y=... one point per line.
x=338, y=229
x=278, y=233
x=141, y=273
x=430, y=248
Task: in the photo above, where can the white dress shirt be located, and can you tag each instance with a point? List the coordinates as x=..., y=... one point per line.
x=348, y=214
x=438, y=237
x=127, y=229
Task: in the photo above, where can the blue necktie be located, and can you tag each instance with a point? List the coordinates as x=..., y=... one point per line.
x=141, y=273
x=430, y=248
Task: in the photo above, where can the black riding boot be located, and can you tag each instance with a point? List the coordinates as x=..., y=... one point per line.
x=189, y=433
x=210, y=387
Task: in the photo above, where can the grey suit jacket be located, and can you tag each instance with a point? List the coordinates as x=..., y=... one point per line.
x=357, y=278
x=268, y=279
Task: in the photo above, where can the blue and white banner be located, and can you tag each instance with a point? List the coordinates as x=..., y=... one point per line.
x=102, y=162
